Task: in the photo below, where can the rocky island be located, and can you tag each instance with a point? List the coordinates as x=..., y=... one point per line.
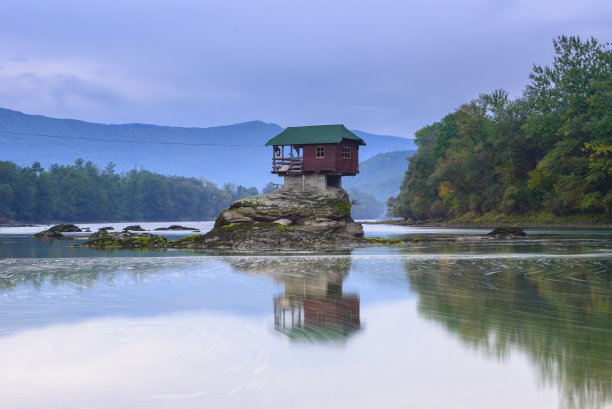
x=310, y=212
x=287, y=219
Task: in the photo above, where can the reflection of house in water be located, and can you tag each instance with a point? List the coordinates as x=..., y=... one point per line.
x=314, y=308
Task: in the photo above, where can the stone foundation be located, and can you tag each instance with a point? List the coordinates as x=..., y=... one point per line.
x=312, y=182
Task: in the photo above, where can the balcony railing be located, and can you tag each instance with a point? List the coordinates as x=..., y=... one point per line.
x=287, y=166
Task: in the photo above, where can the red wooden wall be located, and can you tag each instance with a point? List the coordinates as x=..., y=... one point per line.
x=331, y=313
x=333, y=161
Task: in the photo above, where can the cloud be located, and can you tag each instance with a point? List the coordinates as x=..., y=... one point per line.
x=75, y=87
x=389, y=66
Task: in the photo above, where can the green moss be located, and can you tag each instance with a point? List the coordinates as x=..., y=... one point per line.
x=247, y=228
x=187, y=241
x=342, y=207
x=55, y=235
x=245, y=203
x=229, y=226
x=133, y=243
x=283, y=228
x=192, y=237
x=381, y=241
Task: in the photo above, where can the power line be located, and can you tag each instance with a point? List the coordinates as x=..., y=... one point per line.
x=122, y=140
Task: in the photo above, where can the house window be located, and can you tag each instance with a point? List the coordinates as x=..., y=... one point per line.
x=320, y=151
x=320, y=319
x=348, y=317
x=346, y=152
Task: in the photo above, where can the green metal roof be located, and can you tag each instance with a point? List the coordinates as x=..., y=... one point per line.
x=308, y=135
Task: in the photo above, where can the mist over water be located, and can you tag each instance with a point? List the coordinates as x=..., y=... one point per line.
x=452, y=320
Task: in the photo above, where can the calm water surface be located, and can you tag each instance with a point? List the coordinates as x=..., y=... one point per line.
x=458, y=322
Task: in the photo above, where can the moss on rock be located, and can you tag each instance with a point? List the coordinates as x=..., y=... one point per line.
x=378, y=240
x=137, y=242
x=343, y=207
x=245, y=203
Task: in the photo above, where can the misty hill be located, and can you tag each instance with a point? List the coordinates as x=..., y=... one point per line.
x=381, y=175
x=244, y=165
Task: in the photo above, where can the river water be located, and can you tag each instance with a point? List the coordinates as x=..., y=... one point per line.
x=455, y=322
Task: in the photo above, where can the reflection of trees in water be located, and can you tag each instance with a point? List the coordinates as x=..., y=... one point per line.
x=557, y=310
x=534, y=243
x=313, y=306
x=78, y=273
x=80, y=278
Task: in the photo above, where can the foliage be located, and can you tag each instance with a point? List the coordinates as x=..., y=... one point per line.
x=82, y=192
x=554, y=311
x=269, y=188
x=549, y=151
x=233, y=152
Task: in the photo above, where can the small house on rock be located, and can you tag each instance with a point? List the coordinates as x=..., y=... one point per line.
x=315, y=157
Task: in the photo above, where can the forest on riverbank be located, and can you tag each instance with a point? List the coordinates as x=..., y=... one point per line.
x=85, y=193
x=543, y=156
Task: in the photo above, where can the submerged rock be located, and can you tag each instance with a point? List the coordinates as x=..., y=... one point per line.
x=506, y=232
x=176, y=227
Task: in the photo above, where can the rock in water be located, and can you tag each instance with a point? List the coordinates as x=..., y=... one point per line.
x=314, y=212
x=284, y=219
x=101, y=233
x=134, y=228
x=55, y=232
x=65, y=228
x=507, y=232
x=48, y=234
x=125, y=239
x=175, y=227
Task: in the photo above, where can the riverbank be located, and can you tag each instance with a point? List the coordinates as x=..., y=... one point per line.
x=491, y=225
x=492, y=220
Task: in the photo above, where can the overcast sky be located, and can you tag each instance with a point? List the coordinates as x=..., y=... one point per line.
x=384, y=66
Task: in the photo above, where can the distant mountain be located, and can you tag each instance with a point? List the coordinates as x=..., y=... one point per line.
x=382, y=143
x=381, y=175
x=243, y=165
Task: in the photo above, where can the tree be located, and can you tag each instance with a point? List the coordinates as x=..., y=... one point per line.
x=82, y=192
x=548, y=150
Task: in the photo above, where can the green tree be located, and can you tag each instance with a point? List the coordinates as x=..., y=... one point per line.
x=546, y=151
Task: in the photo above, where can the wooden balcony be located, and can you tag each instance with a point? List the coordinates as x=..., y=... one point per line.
x=287, y=166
